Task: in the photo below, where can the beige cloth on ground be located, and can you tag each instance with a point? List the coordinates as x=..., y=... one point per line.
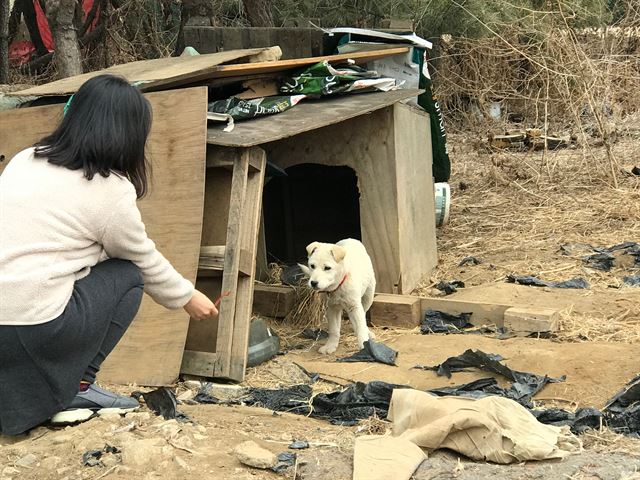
x=494, y=429
x=378, y=457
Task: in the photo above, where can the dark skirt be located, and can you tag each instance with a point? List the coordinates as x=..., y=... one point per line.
x=41, y=366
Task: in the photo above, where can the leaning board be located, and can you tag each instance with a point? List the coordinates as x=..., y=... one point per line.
x=151, y=351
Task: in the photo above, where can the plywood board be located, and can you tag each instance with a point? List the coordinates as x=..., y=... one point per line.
x=283, y=65
x=416, y=198
x=150, y=353
x=172, y=71
x=306, y=116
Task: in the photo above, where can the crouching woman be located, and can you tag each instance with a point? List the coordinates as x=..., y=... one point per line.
x=75, y=258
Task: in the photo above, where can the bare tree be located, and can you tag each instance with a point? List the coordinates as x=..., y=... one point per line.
x=63, y=18
x=5, y=11
x=258, y=12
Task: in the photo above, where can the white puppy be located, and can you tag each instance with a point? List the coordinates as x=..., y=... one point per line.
x=345, y=273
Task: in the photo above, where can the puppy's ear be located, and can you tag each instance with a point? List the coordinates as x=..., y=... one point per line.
x=338, y=252
x=305, y=269
x=311, y=248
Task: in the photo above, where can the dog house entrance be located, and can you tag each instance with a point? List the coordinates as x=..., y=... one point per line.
x=312, y=203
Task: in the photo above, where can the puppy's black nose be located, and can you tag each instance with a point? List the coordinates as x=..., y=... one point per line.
x=313, y=283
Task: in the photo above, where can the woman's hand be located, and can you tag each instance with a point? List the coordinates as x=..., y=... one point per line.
x=200, y=307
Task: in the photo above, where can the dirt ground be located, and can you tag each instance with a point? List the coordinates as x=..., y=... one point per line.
x=511, y=210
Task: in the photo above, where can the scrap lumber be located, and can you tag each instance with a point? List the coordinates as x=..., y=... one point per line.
x=275, y=301
x=396, y=310
x=151, y=74
x=526, y=320
x=531, y=138
x=283, y=65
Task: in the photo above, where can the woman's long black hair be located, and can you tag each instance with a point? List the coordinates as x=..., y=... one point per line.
x=103, y=132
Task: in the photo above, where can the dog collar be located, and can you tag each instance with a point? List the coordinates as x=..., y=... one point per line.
x=344, y=279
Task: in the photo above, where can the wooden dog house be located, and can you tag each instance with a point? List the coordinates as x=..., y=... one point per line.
x=387, y=144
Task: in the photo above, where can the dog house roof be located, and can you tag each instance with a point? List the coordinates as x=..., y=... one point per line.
x=306, y=116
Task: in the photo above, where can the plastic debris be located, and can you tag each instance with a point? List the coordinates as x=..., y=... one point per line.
x=322, y=80
x=606, y=258
x=440, y=322
x=359, y=400
x=162, y=401
x=91, y=458
x=450, y=287
x=285, y=460
x=373, y=352
x=469, y=260
x=240, y=109
x=582, y=420
x=524, y=387
x=299, y=445
x=634, y=280
x=314, y=334
x=529, y=280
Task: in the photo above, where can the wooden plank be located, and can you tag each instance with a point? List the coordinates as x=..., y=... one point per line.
x=219, y=157
x=527, y=320
x=415, y=197
x=165, y=72
x=250, y=227
x=283, y=65
x=226, y=319
x=198, y=363
x=172, y=213
x=482, y=313
x=212, y=263
x=308, y=115
x=396, y=310
x=275, y=301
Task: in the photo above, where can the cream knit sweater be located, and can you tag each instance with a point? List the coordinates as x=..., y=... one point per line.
x=55, y=225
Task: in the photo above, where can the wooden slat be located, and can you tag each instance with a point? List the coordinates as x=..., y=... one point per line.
x=306, y=116
x=160, y=72
x=198, y=363
x=249, y=241
x=172, y=213
x=226, y=318
x=275, y=301
x=215, y=263
x=282, y=65
x=223, y=157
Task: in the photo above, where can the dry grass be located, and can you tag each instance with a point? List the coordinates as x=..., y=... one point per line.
x=309, y=308
x=513, y=213
x=606, y=441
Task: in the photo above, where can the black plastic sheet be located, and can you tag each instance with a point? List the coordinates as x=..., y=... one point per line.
x=605, y=257
x=450, y=287
x=582, y=420
x=633, y=281
x=293, y=399
x=469, y=261
x=531, y=281
x=373, y=352
x=299, y=445
x=162, y=401
x=314, y=334
x=359, y=400
x=285, y=460
x=524, y=386
x=440, y=322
